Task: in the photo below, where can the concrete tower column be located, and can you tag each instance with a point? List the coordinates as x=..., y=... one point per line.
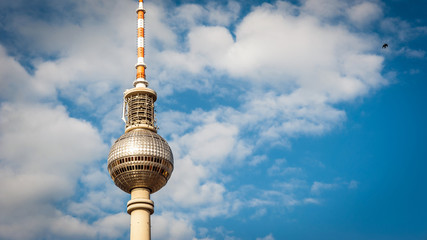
x=140, y=207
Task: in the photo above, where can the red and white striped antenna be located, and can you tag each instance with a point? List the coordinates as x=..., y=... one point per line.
x=140, y=65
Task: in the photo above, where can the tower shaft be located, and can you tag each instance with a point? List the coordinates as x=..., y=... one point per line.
x=140, y=207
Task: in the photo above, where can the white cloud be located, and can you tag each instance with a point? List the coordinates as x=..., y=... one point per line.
x=364, y=13
x=210, y=142
x=223, y=14
x=82, y=65
x=259, y=213
x=400, y=30
x=325, y=8
x=279, y=168
x=69, y=227
x=13, y=78
x=273, y=50
x=319, y=187
x=311, y=201
x=412, y=53
x=113, y=226
x=257, y=159
x=159, y=33
x=224, y=233
x=191, y=15
x=42, y=153
x=99, y=201
x=48, y=136
x=268, y=237
x=168, y=226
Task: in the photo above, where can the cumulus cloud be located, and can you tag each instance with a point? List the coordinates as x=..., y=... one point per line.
x=325, y=8
x=192, y=15
x=268, y=54
x=76, y=61
x=13, y=78
x=198, y=172
x=268, y=237
x=274, y=49
x=364, y=13
x=41, y=159
x=48, y=136
x=169, y=226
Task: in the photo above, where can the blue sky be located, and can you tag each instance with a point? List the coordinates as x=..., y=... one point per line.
x=286, y=118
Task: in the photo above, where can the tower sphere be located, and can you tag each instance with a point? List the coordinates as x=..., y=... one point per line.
x=140, y=158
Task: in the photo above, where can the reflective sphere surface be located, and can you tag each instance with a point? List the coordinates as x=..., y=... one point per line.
x=140, y=158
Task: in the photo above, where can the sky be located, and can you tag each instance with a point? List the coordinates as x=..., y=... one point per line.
x=287, y=119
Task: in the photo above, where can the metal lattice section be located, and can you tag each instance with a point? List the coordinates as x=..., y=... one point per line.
x=140, y=158
x=140, y=110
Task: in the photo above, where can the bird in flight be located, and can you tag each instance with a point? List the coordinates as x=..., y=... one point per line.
x=385, y=45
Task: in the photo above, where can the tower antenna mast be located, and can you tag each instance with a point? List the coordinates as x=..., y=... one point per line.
x=140, y=65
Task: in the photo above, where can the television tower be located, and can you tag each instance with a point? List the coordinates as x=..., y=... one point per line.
x=140, y=162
